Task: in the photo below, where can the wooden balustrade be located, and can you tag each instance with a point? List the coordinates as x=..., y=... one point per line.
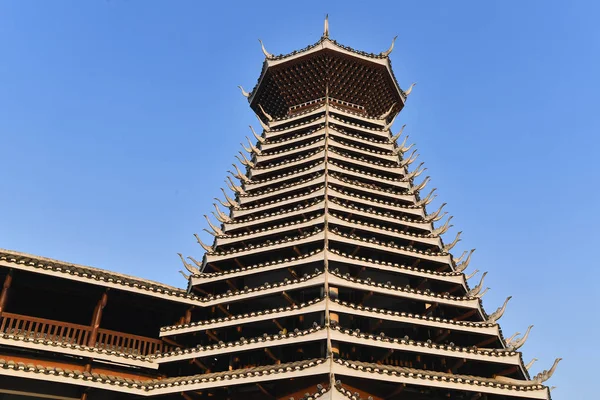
x=64, y=332
x=127, y=343
x=40, y=328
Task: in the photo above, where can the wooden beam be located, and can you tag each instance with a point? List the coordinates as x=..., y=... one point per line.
x=377, y=325
x=265, y=391
x=396, y=392
x=443, y=267
x=365, y=298
x=360, y=271
x=212, y=335
x=172, y=342
x=288, y=298
x=293, y=273
x=454, y=289
x=386, y=355
x=197, y=289
x=231, y=285
x=431, y=309
x=272, y=356
x=188, y=315
x=5, y=289
x=96, y=318
x=199, y=363
x=186, y=396
x=226, y=311
x=457, y=365
x=421, y=284
x=278, y=324
x=465, y=315
x=487, y=341
x=214, y=267
x=442, y=336
x=33, y=395
x=508, y=371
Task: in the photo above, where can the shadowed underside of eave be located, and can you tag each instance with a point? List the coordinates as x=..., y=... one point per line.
x=367, y=87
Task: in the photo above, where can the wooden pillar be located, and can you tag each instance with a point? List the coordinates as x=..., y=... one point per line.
x=188, y=315
x=5, y=288
x=334, y=319
x=97, y=318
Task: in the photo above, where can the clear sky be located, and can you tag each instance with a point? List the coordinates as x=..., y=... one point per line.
x=120, y=118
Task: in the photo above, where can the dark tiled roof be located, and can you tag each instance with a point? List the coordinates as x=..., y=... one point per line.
x=95, y=276
x=149, y=385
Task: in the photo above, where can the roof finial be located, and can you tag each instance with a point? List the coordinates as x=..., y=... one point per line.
x=518, y=343
x=530, y=363
x=265, y=52
x=389, y=51
x=472, y=274
x=265, y=113
x=407, y=91
x=187, y=266
x=326, y=28
x=545, y=374
x=496, y=315
x=246, y=94
x=477, y=289
x=388, y=113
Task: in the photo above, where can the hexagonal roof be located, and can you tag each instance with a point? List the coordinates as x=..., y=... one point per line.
x=327, y=68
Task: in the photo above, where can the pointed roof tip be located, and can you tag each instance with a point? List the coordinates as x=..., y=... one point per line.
x=410, y=89
x=389, y=50
x=244, y=93
x=264, y=50
x=326, y=26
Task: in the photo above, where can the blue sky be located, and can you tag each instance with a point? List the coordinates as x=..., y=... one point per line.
x=119, y=120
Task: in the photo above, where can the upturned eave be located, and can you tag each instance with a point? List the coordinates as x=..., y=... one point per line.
x=325, y=44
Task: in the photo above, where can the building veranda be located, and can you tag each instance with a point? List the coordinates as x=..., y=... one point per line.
x=328, y=277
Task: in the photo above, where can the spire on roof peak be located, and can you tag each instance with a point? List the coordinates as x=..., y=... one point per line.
x=326, y=27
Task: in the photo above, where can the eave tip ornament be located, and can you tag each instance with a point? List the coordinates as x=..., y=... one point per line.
x=246, y=94
x=265, y=52
x=409, y=90
x=389, y=51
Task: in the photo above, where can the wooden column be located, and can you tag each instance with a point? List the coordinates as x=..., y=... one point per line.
x=334, y=319
x=5, y=288
x=97, y=318
x=188, y=315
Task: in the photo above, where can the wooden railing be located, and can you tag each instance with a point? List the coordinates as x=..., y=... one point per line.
x=40, y=328
x=130, y=344
x=64, y=332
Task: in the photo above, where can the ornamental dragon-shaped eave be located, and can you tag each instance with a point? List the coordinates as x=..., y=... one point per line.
x=362, y=82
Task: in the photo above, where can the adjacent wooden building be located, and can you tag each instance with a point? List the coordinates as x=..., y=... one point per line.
x=327, y=277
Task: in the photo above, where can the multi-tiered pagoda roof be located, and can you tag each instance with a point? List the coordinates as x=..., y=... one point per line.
x=328, y=276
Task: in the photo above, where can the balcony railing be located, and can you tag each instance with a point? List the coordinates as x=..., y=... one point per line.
x=64, y=332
